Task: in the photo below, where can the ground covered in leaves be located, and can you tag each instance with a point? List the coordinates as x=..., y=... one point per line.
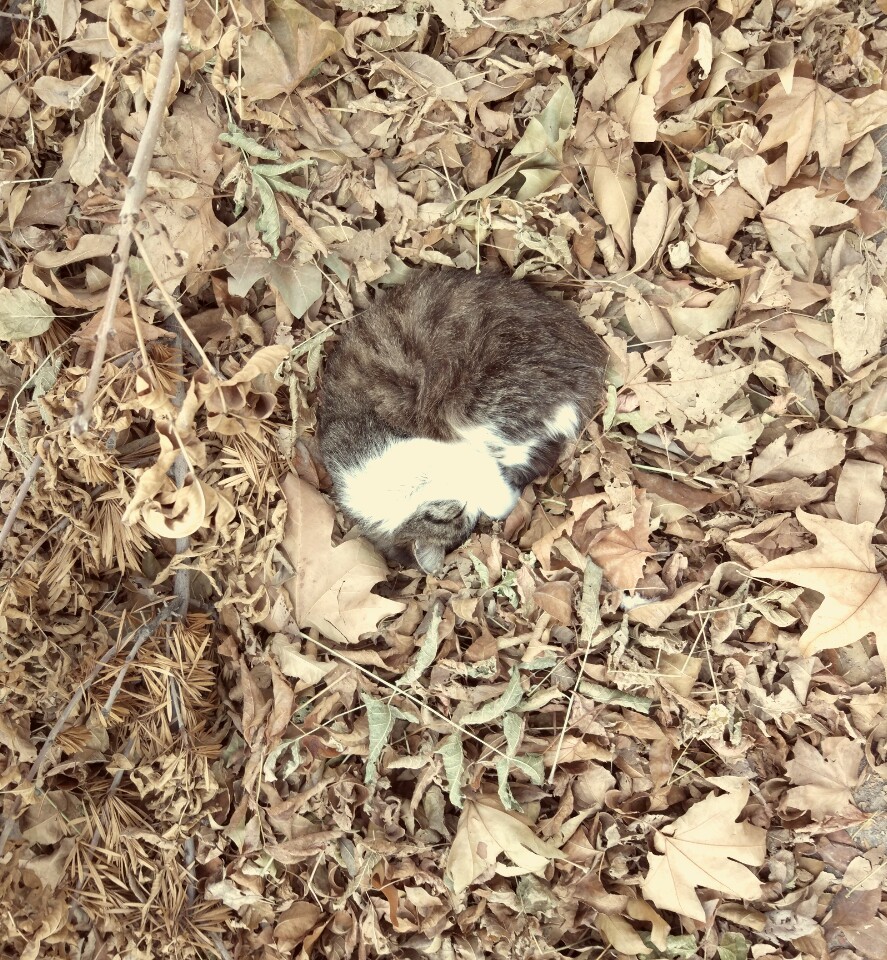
x=643, y=717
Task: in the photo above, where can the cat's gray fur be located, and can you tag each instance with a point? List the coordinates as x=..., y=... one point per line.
x=449, y=355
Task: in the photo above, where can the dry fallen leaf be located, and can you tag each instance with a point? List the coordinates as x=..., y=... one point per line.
x=809, y=118
x=842, y=568
x=703, y=180
x=331, y=589
x=811, y=453
x=23, y=314
x=705, y=847
x=622, y=554
x=789, y=221
x=305, y=39
x=824, y=781
x=486, y=831
x=859, y=496
x=860, y=316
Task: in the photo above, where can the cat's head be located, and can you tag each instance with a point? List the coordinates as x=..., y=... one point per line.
x=416, y=499
x=427, y=535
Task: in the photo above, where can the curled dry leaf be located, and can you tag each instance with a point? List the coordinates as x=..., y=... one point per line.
x=240, y=403
x=486, y=832
x=171, y=511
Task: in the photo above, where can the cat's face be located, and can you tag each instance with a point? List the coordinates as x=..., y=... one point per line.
x=427, y=535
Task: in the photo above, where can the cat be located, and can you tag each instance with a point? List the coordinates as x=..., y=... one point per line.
x=445, y=399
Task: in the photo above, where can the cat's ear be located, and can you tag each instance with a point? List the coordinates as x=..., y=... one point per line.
x=429, y=555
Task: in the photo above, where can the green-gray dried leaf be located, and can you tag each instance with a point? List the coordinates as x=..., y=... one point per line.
x=23, y=314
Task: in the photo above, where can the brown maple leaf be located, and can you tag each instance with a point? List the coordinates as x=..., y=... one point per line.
x=332, y=586
x=810, y=119
x=842, y=568
x=486, y=831
x=705, y=847
x=824, y=780
x=622, y=554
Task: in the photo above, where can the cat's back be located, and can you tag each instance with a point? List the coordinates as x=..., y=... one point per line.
x=450, y=347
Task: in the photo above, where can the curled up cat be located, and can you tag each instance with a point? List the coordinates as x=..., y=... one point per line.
x=444, y=399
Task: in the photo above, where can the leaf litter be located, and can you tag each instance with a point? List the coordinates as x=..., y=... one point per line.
x=646, y=716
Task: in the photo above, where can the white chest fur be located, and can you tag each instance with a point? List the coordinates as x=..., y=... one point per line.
x=402, y=477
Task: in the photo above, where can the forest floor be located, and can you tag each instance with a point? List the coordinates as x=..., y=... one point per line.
x=645, y=716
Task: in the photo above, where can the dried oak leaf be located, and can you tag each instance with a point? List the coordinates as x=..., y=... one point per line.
x=487, y=831
x=331, y=589
x=705, y=847
x=824, y=780
x=842, y=568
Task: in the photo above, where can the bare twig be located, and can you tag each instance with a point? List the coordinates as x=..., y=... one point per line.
x=189, y=855
x=135, y=195
x=590, y=618
x=173, y=308
x=135, y=640
x=141, y=635
x=182, y=580
x=222, y=949
x=28, y=479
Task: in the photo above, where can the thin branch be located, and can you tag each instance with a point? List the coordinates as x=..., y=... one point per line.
x=28, y=479
x=132, y=202
x=182, y=580
x=590, y=618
